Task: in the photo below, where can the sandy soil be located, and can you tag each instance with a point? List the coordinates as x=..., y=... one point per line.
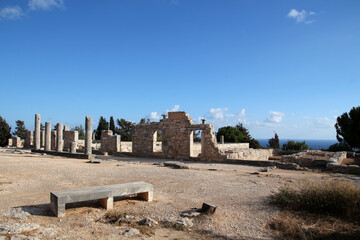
x=26, y=179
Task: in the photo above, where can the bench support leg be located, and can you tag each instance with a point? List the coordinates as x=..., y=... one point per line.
x=147, y=196
x=107, y=203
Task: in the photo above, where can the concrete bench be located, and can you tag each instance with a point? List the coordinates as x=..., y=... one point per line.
x=105, y=195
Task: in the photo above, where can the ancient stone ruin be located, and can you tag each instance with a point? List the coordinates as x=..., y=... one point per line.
x=176, y=131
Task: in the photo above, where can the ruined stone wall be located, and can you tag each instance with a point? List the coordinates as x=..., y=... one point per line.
x=232, y=146
x=109, y=142
x=29, y=139
x=177, y=138
x=125, y=146
x=69, y=137
x=15, y=142
x=250, y=154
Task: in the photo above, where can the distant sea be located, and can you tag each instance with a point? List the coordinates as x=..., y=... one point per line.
x=312, y=143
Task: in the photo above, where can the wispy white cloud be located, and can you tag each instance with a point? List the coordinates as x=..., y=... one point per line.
x=45, y=4
x=175, y=108
x=154, y=116
x=324, y=123
x=275, y=117
x=301, y=16
x=217, y=113
x=11, y=13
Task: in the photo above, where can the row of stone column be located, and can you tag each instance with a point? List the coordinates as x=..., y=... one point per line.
x=59, y=136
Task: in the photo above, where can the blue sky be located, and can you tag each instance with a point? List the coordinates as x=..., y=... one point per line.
x=285, y=66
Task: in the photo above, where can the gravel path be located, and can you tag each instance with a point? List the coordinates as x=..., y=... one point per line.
x=240, y=196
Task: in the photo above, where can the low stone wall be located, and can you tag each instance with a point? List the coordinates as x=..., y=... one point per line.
x=15, y=142
x=125, y=146
x=250, y=154
x=315, y=158
x=232, y=147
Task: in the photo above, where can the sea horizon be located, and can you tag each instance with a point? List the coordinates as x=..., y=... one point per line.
x=315, y=144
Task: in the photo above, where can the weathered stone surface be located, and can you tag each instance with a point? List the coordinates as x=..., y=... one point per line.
x=184, y=221
x=29, y=139
x=14, y=228
x=148, y=222
x=190, y=213
x=132, y=232
x=69, y=137
x=23, y=237
x=177, y=138
x=110, y=143
x=16, y=213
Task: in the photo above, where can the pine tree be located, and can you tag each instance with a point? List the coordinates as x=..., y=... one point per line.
x=5, y=132
x=125, y=129
x=103, y=125
x=112, y=125
x=21, y=130
x=253, y=143
x=274, y=142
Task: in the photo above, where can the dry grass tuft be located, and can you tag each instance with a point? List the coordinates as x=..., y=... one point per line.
x=306, y=226
x=334, y=197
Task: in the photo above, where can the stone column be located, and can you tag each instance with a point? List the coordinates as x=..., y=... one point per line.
x=59, y=136
x=47, y=136
x=73, y=147
x=222, y=139
x=88, y=132
x=42, y=139
x=37, y=132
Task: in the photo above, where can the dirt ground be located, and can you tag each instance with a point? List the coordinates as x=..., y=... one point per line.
x=26, y=179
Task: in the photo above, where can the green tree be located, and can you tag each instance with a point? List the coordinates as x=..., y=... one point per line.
x=253, y=143
x=297, y=146
x=237, y=134
x=112, y=125
x=21, y=130
x=348, y=128
x=103, y=125
x=5, y=132
x=125, y=129
x=231, y=134
x=142, y=121
x=80, y=130
x=274, y=142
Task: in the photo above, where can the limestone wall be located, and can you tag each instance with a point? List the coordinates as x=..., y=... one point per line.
x=177, y=138
x=232, y=147
x=29, y=139
x=15, y=142
x=125, y=146
x=250, y=154
x=109, y=142
x=69, y=137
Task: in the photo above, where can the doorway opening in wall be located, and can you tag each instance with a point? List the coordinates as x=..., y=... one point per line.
x=196, y=143
x=157, y=142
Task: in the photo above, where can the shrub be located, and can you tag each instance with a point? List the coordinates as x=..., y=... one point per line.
x=297, y=146
x=339, y=147
x=337, y=198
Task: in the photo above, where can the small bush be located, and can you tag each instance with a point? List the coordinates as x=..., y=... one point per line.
x=297, y=146
x=337, y=147
x=337, y=198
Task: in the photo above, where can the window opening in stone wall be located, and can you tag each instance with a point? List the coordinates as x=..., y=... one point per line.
x=196, y=143
x=157, y=142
